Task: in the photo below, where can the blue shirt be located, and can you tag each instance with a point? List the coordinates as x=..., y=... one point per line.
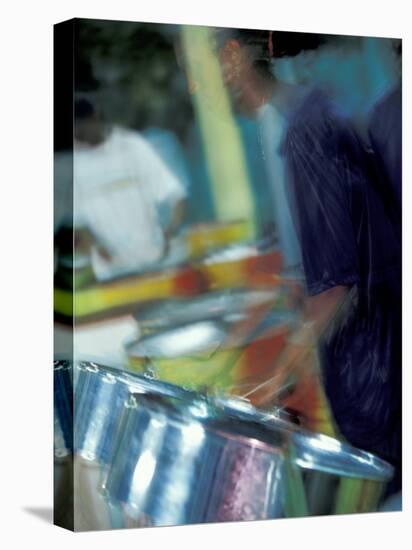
x=347, y=239
x=385, y=132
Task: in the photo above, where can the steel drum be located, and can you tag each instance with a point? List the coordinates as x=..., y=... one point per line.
x=189, y=462
x=213, y=354
x=224, y=305
x=100, y=393
x=63, y=408
x=322, y=475
x=63, y=444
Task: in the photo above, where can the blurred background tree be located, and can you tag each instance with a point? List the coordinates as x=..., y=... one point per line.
x=131, y=70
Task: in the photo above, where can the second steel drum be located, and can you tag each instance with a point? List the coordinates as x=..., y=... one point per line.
x=322, y=475
x=325, y=476
x=222, y=305
x=63, y=444
x=100, y=393
x=214, y=354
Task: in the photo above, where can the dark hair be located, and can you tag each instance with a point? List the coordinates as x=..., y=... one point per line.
x=271, y=44
x=83, y=109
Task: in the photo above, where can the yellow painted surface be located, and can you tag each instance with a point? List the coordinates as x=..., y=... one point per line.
x=230, y=185
x=100, y=298
x=214, y=371
x=202, y=239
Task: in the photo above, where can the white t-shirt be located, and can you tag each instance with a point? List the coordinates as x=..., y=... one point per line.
x=118, y=186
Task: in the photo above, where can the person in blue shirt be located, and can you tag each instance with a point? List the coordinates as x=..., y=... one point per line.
x=385, y=133
x=350, y=249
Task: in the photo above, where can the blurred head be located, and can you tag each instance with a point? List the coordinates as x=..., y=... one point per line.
x=246, y=57
x=88, y=124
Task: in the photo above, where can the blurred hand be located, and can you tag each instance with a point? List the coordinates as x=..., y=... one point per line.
x=296, y=363
x=103, y=253
x=85, y=240
x=297, y=386
x=166, y=245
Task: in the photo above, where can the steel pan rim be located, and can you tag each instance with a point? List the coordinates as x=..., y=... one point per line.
x=373, y=467
x=134, y=380
x=156, y=315
x=178, y=417
x=135, y=348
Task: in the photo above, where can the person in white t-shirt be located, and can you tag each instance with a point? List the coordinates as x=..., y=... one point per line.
x=120, y=186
